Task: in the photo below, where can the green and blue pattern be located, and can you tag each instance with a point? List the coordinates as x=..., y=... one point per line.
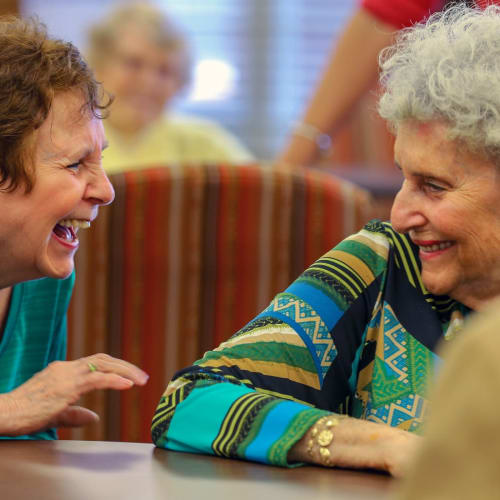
x=355, y=333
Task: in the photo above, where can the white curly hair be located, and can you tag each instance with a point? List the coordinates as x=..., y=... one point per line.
x=448, y=68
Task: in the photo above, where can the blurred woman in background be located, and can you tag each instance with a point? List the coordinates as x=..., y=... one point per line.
x=143, y=60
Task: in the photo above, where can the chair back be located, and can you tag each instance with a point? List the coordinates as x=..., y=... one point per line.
x=186, y=256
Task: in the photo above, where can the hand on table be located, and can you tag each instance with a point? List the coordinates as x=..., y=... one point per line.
x=360, y=444
x=47, y=399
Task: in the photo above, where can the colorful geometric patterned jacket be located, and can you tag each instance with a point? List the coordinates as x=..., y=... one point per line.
x=356, y=334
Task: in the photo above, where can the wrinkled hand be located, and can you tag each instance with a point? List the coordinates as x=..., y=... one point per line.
x=46, y=400
x=361, y=444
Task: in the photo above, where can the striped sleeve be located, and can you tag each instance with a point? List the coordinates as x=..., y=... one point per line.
x=256, y=394
x=236, y=422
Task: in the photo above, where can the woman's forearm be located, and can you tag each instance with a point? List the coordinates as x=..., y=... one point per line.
x=351, y=71
x=274, y=431
x=203, y=420
x=11, y=418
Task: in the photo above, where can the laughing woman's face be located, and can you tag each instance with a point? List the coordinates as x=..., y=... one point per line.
x=38, y=233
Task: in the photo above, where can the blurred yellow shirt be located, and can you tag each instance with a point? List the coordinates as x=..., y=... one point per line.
x=173, y=140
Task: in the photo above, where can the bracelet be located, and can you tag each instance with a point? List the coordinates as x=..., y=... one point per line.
x=323, y=141
x=321, y=438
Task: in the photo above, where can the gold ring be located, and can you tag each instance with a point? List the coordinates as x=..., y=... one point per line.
x=92, y=367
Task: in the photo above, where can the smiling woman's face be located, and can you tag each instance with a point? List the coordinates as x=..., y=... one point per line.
x=38, y=230
x=449, y=204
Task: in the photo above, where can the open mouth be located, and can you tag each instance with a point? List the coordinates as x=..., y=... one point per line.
x=65, y=230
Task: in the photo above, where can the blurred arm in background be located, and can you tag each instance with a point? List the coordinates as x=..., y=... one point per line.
x=352, y=69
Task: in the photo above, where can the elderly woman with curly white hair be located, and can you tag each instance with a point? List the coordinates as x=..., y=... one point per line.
x=335, y=371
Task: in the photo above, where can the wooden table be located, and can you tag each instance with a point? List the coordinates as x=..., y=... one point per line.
x=90, y=470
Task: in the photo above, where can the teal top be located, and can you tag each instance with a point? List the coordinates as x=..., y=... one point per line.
x=355, y=334
x=34, y=335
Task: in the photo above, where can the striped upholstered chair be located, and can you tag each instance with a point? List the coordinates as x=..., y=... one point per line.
x=185, y=257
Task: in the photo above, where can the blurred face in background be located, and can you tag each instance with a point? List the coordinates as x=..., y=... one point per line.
x=142, y=76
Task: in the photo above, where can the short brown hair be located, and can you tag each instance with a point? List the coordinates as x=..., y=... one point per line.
x=33, y=68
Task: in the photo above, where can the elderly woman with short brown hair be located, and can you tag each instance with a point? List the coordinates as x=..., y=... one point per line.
x=51, y=185
x=336, y=370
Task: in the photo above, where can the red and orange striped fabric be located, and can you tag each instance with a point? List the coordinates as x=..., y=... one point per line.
x=186, y=256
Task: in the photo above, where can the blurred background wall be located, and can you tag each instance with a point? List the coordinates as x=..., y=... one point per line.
x=256, y=62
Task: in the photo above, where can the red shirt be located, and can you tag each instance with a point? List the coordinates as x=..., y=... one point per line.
x=402, y=13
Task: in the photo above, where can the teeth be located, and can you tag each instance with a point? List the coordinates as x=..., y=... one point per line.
x=436, y=247
x=75, y=223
